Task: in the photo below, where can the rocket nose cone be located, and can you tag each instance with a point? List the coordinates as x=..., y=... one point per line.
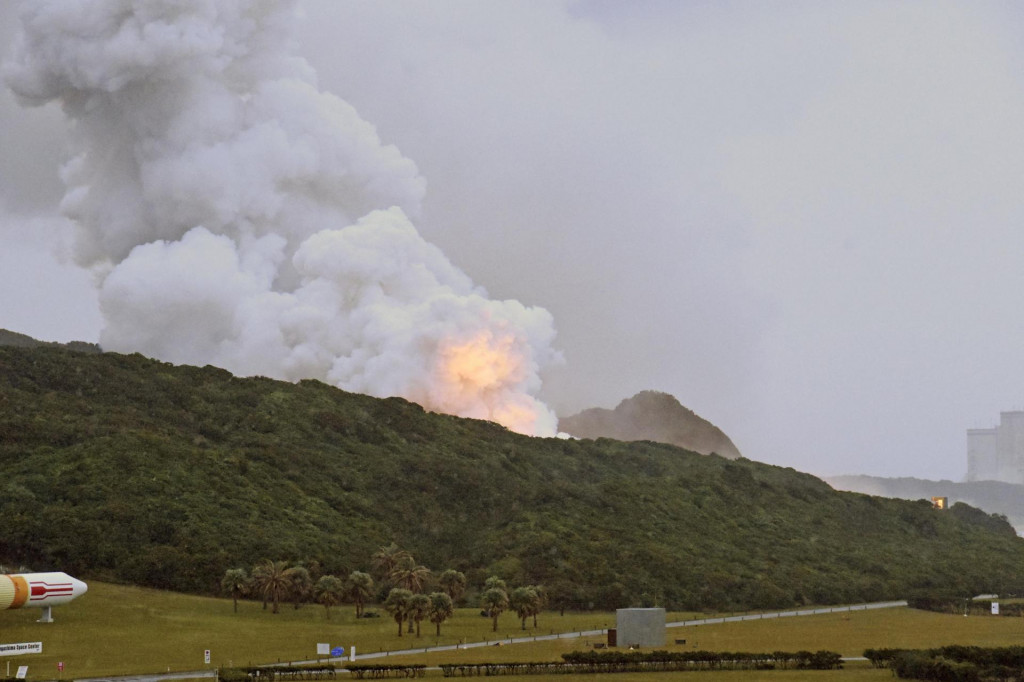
x=78, y=588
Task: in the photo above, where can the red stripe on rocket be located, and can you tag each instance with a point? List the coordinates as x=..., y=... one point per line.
x=41, y=589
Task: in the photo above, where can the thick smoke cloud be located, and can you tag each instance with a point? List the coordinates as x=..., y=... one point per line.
x=238, y=216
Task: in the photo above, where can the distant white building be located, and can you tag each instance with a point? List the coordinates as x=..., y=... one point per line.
x=997, y=454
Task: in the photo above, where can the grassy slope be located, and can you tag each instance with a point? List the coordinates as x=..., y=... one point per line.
x=124, y=468
x=122, y=630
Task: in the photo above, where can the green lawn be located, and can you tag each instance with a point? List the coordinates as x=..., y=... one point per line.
x=119, y=630
x=115, y=630
x=851, y=633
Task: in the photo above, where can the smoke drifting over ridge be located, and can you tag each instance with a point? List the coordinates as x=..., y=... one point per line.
x=237, y=216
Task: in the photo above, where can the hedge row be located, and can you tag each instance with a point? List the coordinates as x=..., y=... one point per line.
x=917, y=666
x=580, y=662
x=969, y=606
x=952, y=663
x=377, y=672
x=591, y=662
x=280, y=673
x=820, y=660
x=277, y=673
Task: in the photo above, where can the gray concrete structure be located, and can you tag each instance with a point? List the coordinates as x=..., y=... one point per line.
x=997, y=454
x=640, y=627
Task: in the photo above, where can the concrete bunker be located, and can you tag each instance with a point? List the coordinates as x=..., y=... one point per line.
x=640, y=627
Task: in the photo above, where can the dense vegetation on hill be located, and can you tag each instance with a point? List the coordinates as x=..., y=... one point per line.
x=9, y=338
x=124, y=468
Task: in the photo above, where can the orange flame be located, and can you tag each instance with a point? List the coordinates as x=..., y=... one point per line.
x=482, y=377
x=482, y=363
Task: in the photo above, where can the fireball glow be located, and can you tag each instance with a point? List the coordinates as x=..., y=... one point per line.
x=479, y=377
x=481, y=363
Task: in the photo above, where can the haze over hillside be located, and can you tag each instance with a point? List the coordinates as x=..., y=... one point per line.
x=651, y=415
x=994, y=497
x=125, y=468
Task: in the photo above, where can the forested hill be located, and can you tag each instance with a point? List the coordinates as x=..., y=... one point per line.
x=9, y=338
x=124, y=468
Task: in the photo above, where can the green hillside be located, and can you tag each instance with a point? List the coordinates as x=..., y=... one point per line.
x=131, y=470
x=9, y=338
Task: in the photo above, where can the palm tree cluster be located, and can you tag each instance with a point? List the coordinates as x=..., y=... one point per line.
x=407, y=600
x=525, y=601
x=405, y=606
x=276, y=581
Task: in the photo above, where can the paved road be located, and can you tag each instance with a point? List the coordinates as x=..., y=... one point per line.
x=159, y=677
x=788, y=614
x=155, y=677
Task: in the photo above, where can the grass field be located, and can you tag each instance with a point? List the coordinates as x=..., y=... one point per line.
x=118, y=630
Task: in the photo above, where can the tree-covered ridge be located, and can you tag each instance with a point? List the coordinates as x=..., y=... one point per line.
x=129, y=469
x=9, y=338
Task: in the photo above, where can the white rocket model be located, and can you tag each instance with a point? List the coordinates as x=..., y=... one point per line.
x=40, y=590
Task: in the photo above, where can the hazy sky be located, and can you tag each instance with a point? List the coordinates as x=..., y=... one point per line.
x=802, y=219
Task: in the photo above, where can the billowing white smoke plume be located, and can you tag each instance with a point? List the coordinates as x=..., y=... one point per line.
x=240, y=217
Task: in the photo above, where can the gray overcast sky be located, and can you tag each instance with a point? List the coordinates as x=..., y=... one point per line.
x=802, y=219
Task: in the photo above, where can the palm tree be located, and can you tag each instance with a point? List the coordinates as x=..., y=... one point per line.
x=387, y=558
x=328, y=591
x=359, y=589
x=272, y=581
x=495, y=582
x=419, y=607
x=236, y=583
x=410, y=576
x=299, y=584
x=441, y=609
x=453, y=583
x=522, y=601
x=494, y=601
x=397, y=604
x=316, y=571
x=257, y=578
x=540, y=601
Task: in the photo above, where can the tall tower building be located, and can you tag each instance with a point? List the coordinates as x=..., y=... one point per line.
x=997, y=454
